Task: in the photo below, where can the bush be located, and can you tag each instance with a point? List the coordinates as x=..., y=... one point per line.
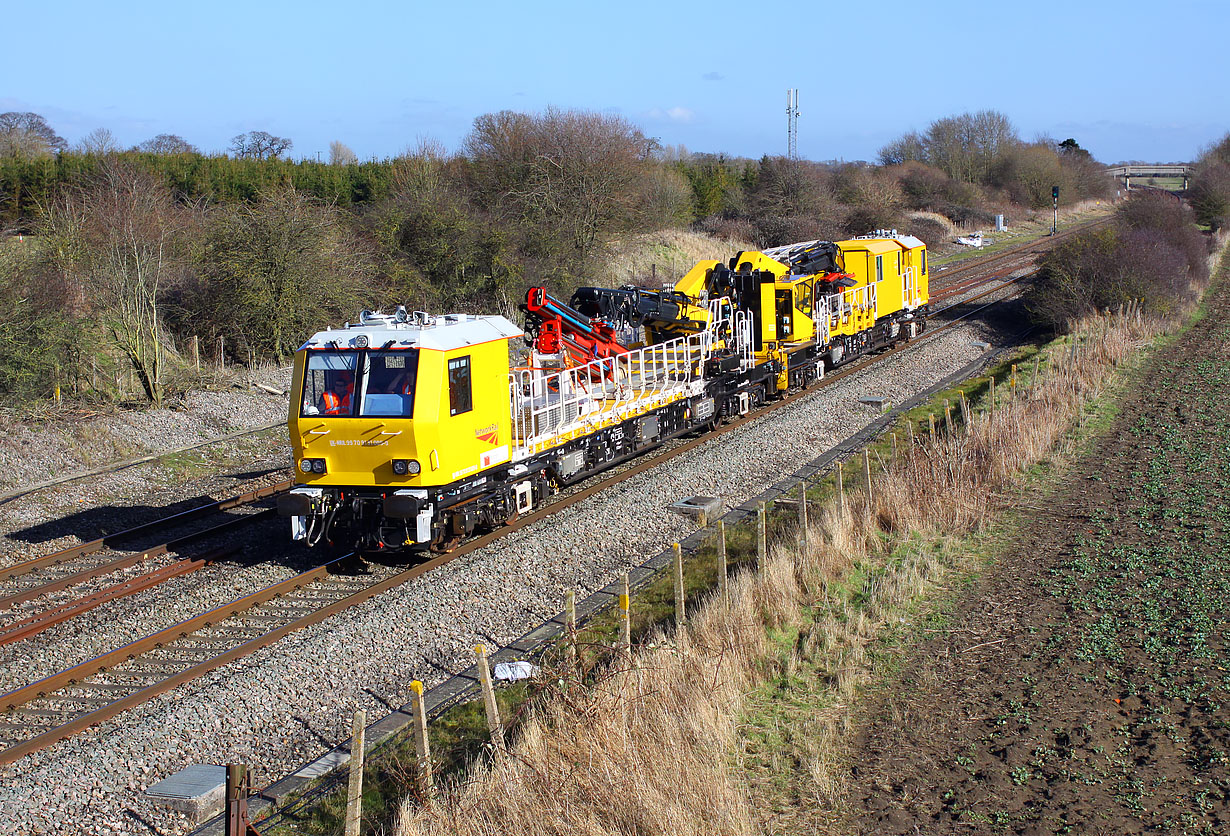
x=1152, y=252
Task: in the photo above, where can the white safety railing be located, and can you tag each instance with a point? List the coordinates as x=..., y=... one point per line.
x=910, y=295
x=822, y=315
x=549, y=402
x=860, y=299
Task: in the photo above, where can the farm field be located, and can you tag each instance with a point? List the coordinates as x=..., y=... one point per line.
x=1082, y=683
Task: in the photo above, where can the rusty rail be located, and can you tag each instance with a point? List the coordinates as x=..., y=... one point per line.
x=82, y=549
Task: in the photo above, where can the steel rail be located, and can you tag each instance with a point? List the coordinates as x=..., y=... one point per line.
x=82, y=549
x=128, y=560
x=39, y=622
x=13, y=700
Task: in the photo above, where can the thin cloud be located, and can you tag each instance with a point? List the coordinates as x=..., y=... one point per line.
x=680, y=115
x=713, y=77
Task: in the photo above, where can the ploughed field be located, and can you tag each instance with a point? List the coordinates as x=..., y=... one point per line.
x=1082, y=685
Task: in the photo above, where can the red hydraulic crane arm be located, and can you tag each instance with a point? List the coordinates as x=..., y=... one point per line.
x=555, y=325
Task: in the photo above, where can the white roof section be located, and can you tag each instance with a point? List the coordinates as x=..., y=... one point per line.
x=419, y=330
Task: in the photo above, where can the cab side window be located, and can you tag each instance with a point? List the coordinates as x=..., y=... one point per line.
x=460, y=396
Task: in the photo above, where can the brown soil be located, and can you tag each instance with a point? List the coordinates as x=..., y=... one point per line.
x=1083, y=684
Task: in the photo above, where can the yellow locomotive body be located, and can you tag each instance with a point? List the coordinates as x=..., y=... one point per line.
x=412, y=430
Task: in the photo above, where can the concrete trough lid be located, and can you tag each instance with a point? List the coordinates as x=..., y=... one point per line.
x=979, y=344
x=198, y=790
x=703, y=508
x=879, y=402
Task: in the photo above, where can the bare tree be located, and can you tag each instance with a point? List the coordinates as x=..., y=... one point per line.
x=99, y=141
x=340, y=154
x=28, y=135
x=259, y=145
x=167, y=144
x=116, y=236
x=910, y=147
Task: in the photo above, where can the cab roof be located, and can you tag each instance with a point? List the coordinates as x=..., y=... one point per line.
x=433, y=333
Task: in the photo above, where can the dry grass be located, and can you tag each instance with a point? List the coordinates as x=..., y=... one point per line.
x=671, y=253
x=656, y=746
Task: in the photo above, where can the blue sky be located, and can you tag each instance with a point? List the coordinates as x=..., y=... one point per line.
x=381, y=76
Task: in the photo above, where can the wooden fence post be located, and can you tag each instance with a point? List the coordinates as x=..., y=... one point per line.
x=761, y=534
x=931, y=426
x=894, y=459
x=494, y=726
x=1012, y=385
x=803, y=517
x=196, y=351
x=841, y=488
x=221, y=352
x=354, y=795
x=625, y=618
x=680, y=596
x=422, y=743
x=570, y=629
x=721, y=554
x=991, y=393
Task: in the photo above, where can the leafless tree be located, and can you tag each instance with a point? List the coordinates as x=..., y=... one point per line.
x=28, y=135
x=340, y=154
x=910, y=147
x=115, y=239
x=167, y=144
x=259, y=145
x=99, y=141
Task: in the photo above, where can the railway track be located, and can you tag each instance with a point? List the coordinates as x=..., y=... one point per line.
x=44, y=712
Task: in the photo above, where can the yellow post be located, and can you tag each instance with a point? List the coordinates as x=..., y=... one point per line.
x=421, y=741
x=625, y=618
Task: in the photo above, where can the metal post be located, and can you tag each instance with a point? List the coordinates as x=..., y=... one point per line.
x=354, y=795
x=680, y=597
x=494, y=726
x=238, y=788
x=422, y=743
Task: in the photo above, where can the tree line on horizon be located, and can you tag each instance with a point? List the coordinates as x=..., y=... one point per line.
x=141, y=250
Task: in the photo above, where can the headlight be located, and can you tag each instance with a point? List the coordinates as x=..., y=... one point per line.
x=306, y=465
x=400, y=467
x=318, y=465
x=413, y=467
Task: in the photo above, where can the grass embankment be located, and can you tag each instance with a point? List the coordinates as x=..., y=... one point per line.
x=769, y=676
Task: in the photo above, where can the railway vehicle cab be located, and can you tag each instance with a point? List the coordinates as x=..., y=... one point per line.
x=386, y=409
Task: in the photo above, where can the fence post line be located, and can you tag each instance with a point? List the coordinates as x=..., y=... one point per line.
x=721, y=555
x=422, y=744
x=625, y=618
x=570, y=629
x=761, y=534
x=354, y=794
x=494, y=726
x=680, y=597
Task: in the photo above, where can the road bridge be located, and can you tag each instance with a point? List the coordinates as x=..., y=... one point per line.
x=1127, y=172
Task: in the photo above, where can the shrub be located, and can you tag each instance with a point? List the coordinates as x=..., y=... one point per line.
x=1152, y=252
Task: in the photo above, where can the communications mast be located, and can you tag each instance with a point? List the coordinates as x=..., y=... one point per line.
x=792, y=123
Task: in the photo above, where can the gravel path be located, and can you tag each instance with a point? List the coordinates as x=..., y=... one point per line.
x=287, y=704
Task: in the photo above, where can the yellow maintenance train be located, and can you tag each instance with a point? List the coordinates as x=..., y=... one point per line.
x=413, y=431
